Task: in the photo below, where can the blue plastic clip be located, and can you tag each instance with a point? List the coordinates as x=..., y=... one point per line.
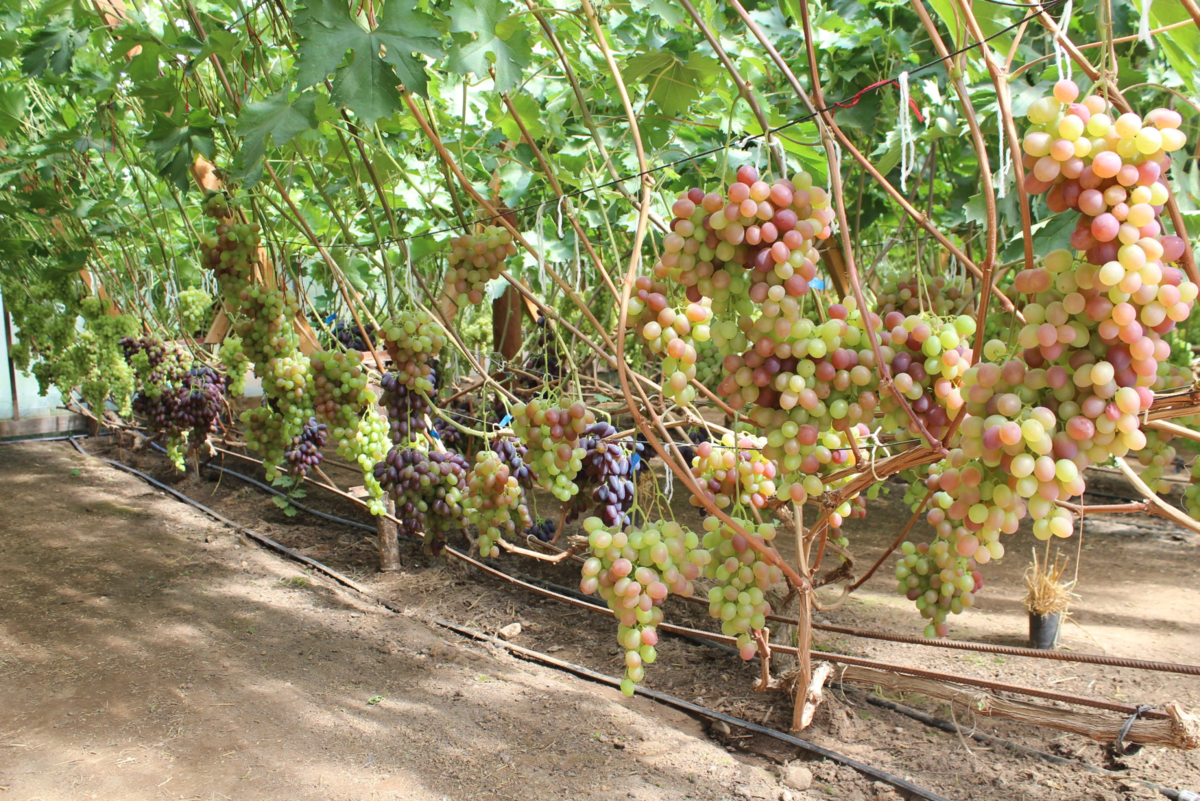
x=331, y=318
x=637, y=458
x=817, y=283
x=507, y=419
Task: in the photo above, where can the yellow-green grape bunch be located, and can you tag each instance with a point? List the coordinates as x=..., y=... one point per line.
x=673, y=335
x=195, y=308
x=1155, y=458
x=918, y=293
x=552, y=436
x=734, y=472
x=938, y=581
x=476, y=259
x=1191, y=495
x=495, y=502
x=231, y=255
x=236, y=363
x=343, y=401
x=708, y=364
x=743, y=577
x=634, y=570
x=413, y=340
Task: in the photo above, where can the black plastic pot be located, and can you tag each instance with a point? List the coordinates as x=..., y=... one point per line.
x=1044, y=631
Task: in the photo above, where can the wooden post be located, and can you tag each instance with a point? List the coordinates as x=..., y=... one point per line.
x=389, y=542
x=507, y=314
x=12, y=366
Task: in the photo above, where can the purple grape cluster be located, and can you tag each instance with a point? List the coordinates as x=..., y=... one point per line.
x=347, y=333
x=608, y=469
x=542, y=530
x=512, y=453
x=305, y=452
x=196, y=402
x=406, y=410
x=427, y=489
x=543, y=360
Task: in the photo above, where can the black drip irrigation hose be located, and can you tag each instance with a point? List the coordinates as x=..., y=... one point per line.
x=578, y=670
x=1017, y=748
x=583, y=672
x=696, y=709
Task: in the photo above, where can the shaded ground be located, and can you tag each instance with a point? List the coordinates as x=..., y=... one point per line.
x=1137, y=582
x=146, y=653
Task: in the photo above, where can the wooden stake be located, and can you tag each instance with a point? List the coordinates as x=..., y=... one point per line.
x=389, y=542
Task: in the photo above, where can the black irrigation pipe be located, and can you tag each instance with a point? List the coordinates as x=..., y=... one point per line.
x=578, y=670
x=696, y=709
x=45, y=439
x=1017, y=748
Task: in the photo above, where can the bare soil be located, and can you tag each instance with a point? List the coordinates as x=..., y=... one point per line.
x=146, y=618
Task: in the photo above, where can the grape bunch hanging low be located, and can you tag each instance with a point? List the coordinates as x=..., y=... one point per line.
x=427, y=489
x=634, y=570
x=305, y=452
x=742, y=579
x=495, y=502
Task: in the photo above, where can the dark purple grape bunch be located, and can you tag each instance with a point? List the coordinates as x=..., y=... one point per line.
x=406, y=410
x=197, y=402
x=349, y=336
x=512, y=452
x=450, y=436
x=305, y=452
x=543, y=530
x=427, y=489
x=608, y=469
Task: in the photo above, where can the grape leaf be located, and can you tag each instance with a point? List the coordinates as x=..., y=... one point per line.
x=484, y=28
x=275, y=117
x=383, y=58
x=12, y=108
x=52, y=49
x=175, y=147
x=674, y=84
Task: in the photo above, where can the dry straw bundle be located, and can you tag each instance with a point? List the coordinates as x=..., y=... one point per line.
x=1047, y=593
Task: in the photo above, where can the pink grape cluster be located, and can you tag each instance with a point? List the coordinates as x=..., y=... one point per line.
x=735, y=472
x=916, y=293
x=671, y=334
x=634, y=570
x=475, y=259
x=928, y=358
x=742, y=579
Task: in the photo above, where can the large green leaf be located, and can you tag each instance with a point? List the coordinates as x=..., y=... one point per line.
x=486, y=36
x=175, y=147
x=12, y=108
x=674, y=84
x=1180, y=45
x=274, y=121
x=52, y=49
x=382, y=58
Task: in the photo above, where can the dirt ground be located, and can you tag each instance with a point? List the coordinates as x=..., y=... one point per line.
x=146, y=652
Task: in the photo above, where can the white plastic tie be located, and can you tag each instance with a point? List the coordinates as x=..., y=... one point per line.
x=669, y=489
x=560, y=207
x=541, y=229
x=908, y=147
x=1144, y=24
x=1062, y=61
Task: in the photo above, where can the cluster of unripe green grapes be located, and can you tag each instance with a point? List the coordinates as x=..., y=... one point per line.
x=236, y=363
x=634, y=570
x=916, y=293
x=346, y=404
x=414, y=340
x=475, y=259
x=938, y=581
x=551, y=434
x=495, y=502
x=1191, y=495
x=195, y=309
x=742, y=579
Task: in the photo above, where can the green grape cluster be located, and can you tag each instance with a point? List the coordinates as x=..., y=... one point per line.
x=743, y=577
x=236, y=363
x=939, y=581
x=414, y=340
x=634, y=570
x=343, y=401
x=195, y=309
x=494, y=502
x=552, y=436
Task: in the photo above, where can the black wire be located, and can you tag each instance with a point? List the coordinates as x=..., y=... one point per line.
x=741, y=143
